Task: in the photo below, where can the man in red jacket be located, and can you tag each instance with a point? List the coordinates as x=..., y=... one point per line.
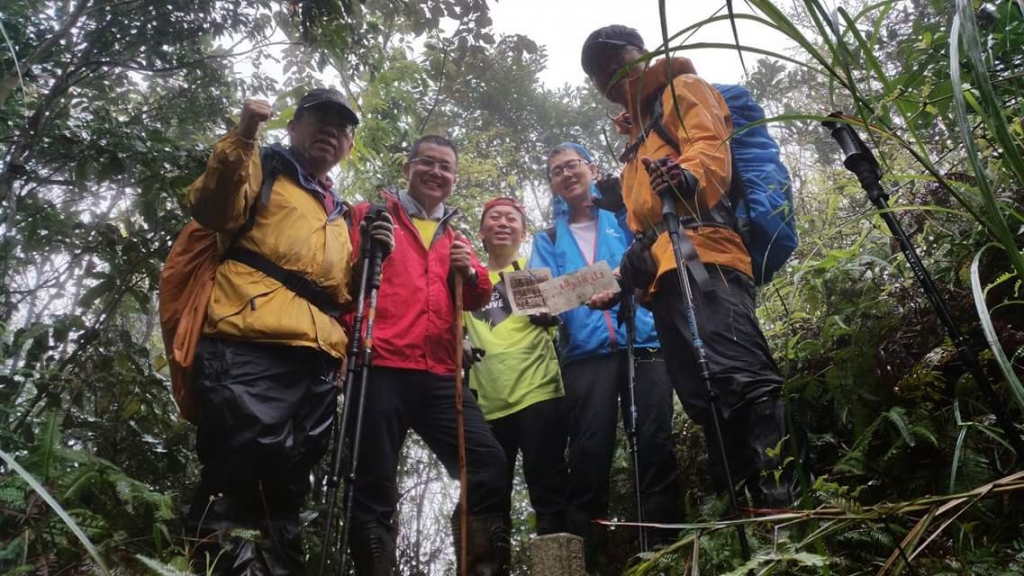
x=411, y=384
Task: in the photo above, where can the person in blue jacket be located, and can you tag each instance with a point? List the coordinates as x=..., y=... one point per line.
x=593, y=357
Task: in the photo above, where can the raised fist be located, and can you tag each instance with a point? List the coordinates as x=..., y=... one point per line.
x=254, y=114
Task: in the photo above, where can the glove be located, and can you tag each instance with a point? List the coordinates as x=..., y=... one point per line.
x=545, y=320
x=380, y=229
x=637, y=268
x=667, y=176
x=471, y=354
x=610, y=188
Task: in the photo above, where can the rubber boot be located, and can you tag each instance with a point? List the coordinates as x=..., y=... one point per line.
x=733, y=438
x=661, y=507
x=373, y=550
x=488, y=549
x=771, y=483
x=238, y=548
x=281, y=546
x=582, y=525
x=217, y=551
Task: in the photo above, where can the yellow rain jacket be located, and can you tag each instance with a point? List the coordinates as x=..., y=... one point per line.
x=702, y=122
x=293, y=230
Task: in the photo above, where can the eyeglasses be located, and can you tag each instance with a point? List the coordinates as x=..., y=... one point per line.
x=429, y=164
x=567, y=166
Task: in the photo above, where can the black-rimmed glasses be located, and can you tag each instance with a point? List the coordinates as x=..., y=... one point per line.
x=429, y=163
x=567, y=166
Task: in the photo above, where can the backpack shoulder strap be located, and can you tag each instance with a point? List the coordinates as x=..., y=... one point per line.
x=270, y=163
x=654, y=124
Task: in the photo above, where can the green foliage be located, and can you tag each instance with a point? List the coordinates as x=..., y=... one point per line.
x=110, y=114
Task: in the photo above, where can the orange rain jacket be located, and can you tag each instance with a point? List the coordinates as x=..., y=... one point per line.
x=701, y=120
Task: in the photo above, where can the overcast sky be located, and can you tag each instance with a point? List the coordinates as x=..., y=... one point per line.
x=562, y=26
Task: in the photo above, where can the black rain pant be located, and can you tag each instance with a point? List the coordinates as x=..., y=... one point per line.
x=594, y=388
x=265, y=422
x=398, y=400
x=539, y=432
x=743, y=375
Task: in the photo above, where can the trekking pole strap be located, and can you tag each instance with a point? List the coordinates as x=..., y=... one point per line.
x=689, y=253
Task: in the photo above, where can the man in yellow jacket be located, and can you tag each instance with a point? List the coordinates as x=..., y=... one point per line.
x=743, y=375
x=272, y=342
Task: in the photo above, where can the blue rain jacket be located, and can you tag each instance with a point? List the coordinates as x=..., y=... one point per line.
x=587, y=333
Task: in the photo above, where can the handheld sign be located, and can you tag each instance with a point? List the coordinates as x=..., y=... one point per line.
x=535, y=292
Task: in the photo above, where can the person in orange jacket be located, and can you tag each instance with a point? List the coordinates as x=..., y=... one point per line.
x=272, y=343
x=412, y=382
x=743, y=374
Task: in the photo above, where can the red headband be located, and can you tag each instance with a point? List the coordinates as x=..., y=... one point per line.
x=504, y=201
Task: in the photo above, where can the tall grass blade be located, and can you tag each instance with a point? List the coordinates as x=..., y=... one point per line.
x=958, y=450
x=736, y=35
x=1016, y=389
x=58, y=509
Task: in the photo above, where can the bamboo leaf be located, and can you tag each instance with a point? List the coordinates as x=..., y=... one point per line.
x=993, y=216
x=967, y=27
x=47, y=443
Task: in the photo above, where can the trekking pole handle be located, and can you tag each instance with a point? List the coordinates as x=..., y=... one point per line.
x=375, y=253
x=857, y=157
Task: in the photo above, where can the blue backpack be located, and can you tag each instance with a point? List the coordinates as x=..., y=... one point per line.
x=762, y=195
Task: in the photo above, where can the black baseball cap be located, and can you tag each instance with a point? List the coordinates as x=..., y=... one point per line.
x=596, y=46
x=327, y=97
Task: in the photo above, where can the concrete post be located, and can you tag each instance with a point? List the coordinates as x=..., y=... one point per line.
x=557, y=555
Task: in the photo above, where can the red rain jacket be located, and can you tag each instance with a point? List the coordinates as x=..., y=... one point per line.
x=415, y=327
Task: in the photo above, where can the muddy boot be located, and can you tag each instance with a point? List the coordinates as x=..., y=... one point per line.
x=373, y=550
x=772, y=481
x=488, y=549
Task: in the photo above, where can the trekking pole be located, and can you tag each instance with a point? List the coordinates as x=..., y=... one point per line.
x=460, y=425
x=359, y=364
x=671, y=219
x=629, y=307
x=861, y=161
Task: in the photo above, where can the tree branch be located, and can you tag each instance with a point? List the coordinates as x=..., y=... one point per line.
x=10, y=79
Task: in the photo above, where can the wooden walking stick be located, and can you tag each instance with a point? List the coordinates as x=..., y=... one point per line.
x=460, y=425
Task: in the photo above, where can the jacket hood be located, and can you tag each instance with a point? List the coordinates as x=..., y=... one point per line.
x=650, y=84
